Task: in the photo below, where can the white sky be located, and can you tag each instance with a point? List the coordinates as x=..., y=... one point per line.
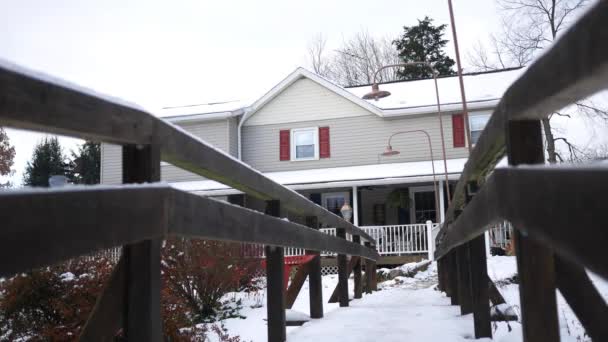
x=167, y=53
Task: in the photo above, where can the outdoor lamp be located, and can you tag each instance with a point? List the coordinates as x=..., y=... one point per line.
x=389, y=151
x=347, y=212
x=376, y=93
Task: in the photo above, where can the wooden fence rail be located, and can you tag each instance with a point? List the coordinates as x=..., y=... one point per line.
x=557, y=212
x=42, y=227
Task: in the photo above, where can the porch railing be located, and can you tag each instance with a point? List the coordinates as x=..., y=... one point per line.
x=391, y=240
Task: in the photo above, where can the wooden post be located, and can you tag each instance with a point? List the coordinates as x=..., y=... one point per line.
x=342, y=272
x=464, y=279
x=535, y=263
x=452, y=277
x=315, y=285
x=374, y=273
x=275, y=296
x=142, y=260
x=440, y=275
x=368, y=271
x=357, y=272
x=479, y=286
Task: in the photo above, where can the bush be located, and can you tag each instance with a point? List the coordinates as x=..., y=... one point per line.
x=198, y=273
x=52, y=302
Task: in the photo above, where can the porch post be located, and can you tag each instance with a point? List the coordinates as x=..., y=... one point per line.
x=355, y=201
x=441, y=203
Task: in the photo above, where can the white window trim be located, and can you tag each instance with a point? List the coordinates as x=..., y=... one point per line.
x=326, y=195
x=476, y=115
x=315, y=131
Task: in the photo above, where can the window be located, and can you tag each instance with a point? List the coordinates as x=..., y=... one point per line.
x=304, y=144
x=333, y=201
x=477, y=124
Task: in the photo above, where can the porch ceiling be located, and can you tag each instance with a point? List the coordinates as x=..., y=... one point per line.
x=375, y=174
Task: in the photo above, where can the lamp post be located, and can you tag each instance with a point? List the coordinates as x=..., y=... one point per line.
x=376, y=94
x=391, y=152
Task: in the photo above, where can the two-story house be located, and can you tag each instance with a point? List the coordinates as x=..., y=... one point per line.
x=326, y=142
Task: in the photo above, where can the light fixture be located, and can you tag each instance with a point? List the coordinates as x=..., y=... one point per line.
x=389, y=151
x=347, y=211
x=376, y=93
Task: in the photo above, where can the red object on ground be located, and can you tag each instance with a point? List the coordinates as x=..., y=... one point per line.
x=291, y=261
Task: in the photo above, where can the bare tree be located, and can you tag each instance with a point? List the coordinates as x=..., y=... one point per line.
x=529, y=26
x=318, y=57
x=355, y=61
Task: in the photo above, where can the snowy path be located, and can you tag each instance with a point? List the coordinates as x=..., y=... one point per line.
x=394, y=314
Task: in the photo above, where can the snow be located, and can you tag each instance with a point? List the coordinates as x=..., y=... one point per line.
x=340, y=174
x=293, y=315
x=68, y=276
x=421, y=93
x=204, y=108
x=405, y=309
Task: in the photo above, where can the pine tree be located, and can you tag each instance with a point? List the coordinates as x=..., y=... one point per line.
x=7, y=156
x=423, y=43
x=47, y=160
x=85, y=164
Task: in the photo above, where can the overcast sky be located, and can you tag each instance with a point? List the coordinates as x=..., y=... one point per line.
x=168, y=53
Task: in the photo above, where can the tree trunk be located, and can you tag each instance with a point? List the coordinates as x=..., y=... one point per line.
x=552, y=156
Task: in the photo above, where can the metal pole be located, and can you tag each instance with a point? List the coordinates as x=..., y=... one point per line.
x=428, y=137
x=465, y=110
x=445, y=163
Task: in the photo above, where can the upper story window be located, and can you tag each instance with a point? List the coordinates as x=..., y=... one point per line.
x=476, y=124
x=305, y=143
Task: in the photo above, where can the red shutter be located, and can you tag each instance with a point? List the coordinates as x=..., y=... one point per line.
x=458, y=130
x=284, y=138
x=324, y=142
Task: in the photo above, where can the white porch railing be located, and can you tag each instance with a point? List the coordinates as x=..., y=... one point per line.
x=501, y=234
x=391, y=240
x=400, y=239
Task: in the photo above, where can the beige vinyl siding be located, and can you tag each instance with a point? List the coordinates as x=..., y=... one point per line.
x=213, y=132
x=305, y=100
x=353, y=141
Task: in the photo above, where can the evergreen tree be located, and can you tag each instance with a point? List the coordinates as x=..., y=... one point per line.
x=423, y=43
x=85, y=164
x=7, y=155
x=47, y=160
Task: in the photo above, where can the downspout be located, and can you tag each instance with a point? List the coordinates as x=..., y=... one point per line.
x=239, y=138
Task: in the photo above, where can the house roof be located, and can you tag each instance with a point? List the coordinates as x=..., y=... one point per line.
x=418, y=96
x=483, y=90
x=342, y=176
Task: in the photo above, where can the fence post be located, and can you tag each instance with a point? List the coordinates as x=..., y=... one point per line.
x=452, y=277
x=368, y=271
x=357, y=271
x=275, y=296
x=464, y=279
x=342, y=272
x=480, y=287
x=535, y=262
x=430, y=243
x=315, y=286
x=142, y=260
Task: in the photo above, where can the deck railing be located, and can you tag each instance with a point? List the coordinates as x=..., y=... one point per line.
x=558, y=213
x=43, y=227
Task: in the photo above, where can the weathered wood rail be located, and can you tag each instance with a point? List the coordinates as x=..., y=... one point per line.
x=42, y=227
x=558, y=213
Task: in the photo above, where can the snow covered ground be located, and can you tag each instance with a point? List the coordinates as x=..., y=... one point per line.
x=405, y=309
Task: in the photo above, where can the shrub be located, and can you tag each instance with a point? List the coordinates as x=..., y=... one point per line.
x=198, y=273
x=51, y=302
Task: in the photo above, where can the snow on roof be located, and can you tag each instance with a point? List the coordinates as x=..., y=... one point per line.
x=204, y=108
x=341, y=174
x=421, y=93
